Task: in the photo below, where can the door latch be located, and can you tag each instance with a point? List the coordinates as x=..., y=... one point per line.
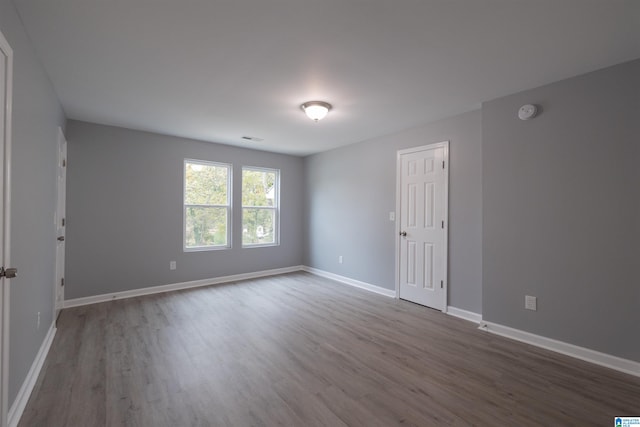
x=8, y=273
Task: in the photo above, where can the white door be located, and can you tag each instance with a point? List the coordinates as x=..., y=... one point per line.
x=60, y=220
x=422, y=230
x=6, y=66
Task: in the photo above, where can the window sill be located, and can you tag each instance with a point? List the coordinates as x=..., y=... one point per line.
x=260, y=245
x=206, y=248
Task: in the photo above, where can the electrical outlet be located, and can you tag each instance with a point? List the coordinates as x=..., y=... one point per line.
x=172, y=265
x=340, y=259
x=530, y=303
x=38, y=323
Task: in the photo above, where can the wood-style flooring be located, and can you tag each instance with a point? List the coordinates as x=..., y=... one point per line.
x=299, y=350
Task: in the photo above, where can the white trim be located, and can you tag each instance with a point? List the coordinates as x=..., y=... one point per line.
x=261, y=245
x=61, y=167
x=464, y=314
x=398, y=224
x=445, y=156
x=6, y=206
x=15, y=413
x=613, y=362
x=177, y=286
x=351, y=282
x=445, y=255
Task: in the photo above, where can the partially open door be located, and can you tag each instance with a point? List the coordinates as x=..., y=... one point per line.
x=6, y=67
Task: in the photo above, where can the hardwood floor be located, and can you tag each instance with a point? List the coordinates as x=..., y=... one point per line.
x=299, y=350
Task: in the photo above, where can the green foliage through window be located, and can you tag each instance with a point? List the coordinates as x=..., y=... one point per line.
x=260, y=206
x=206, y=204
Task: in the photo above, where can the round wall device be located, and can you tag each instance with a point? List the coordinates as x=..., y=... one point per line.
x=527, y=112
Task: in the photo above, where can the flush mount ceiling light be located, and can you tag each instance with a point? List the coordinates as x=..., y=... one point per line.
x=316, y=110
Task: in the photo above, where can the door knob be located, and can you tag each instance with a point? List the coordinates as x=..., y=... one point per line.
x=403, y=233
x=61, y=238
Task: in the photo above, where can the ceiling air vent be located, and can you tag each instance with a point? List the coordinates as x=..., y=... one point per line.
x=253, y=138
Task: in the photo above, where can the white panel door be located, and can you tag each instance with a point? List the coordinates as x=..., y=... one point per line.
x=6, y=58
x=422, y=177
x=60, y=221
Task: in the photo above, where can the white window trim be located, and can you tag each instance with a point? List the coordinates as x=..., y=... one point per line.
x=276, y=208
x=229, y=206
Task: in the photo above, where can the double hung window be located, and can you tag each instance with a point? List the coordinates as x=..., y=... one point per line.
x=260, y=206
x=207, y=205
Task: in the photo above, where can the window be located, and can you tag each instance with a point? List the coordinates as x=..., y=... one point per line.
x=207, y=205
x=260, y=206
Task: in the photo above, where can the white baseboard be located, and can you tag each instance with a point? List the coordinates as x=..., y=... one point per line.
x=464, y=314
x=613, y=362
x=17, y=408
x=351, y=282
x=177, y=286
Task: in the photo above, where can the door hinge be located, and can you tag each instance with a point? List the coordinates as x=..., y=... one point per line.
x=8, y=273
x=441, y=284
x=62, y=282
x=443, y=164
x=63, y=222
x=64, y=163
x=442, y=223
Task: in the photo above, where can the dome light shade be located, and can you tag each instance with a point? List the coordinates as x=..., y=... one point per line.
x=316, y=110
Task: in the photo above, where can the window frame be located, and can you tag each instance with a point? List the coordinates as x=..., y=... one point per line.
x=228, y=206
x=275, y=208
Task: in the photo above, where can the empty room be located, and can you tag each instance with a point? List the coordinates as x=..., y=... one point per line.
x=320, y=213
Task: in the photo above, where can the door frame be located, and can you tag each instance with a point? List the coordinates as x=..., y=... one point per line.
x=400, y=153
x=5, y=49
x=62, y=164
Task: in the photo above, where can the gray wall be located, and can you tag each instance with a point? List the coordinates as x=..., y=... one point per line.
x=351, y=190
x=36, y=117
x=561, y=211
x=124, y=211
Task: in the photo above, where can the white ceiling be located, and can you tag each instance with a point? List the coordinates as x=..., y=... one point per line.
x=217, y=70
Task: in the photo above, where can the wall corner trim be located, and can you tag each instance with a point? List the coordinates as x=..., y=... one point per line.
x=17, y=408
x=351, y=282
x=464, y=314
x=608, y=361
x=177, y=286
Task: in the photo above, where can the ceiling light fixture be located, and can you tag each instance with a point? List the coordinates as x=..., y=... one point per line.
x=316, y=110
